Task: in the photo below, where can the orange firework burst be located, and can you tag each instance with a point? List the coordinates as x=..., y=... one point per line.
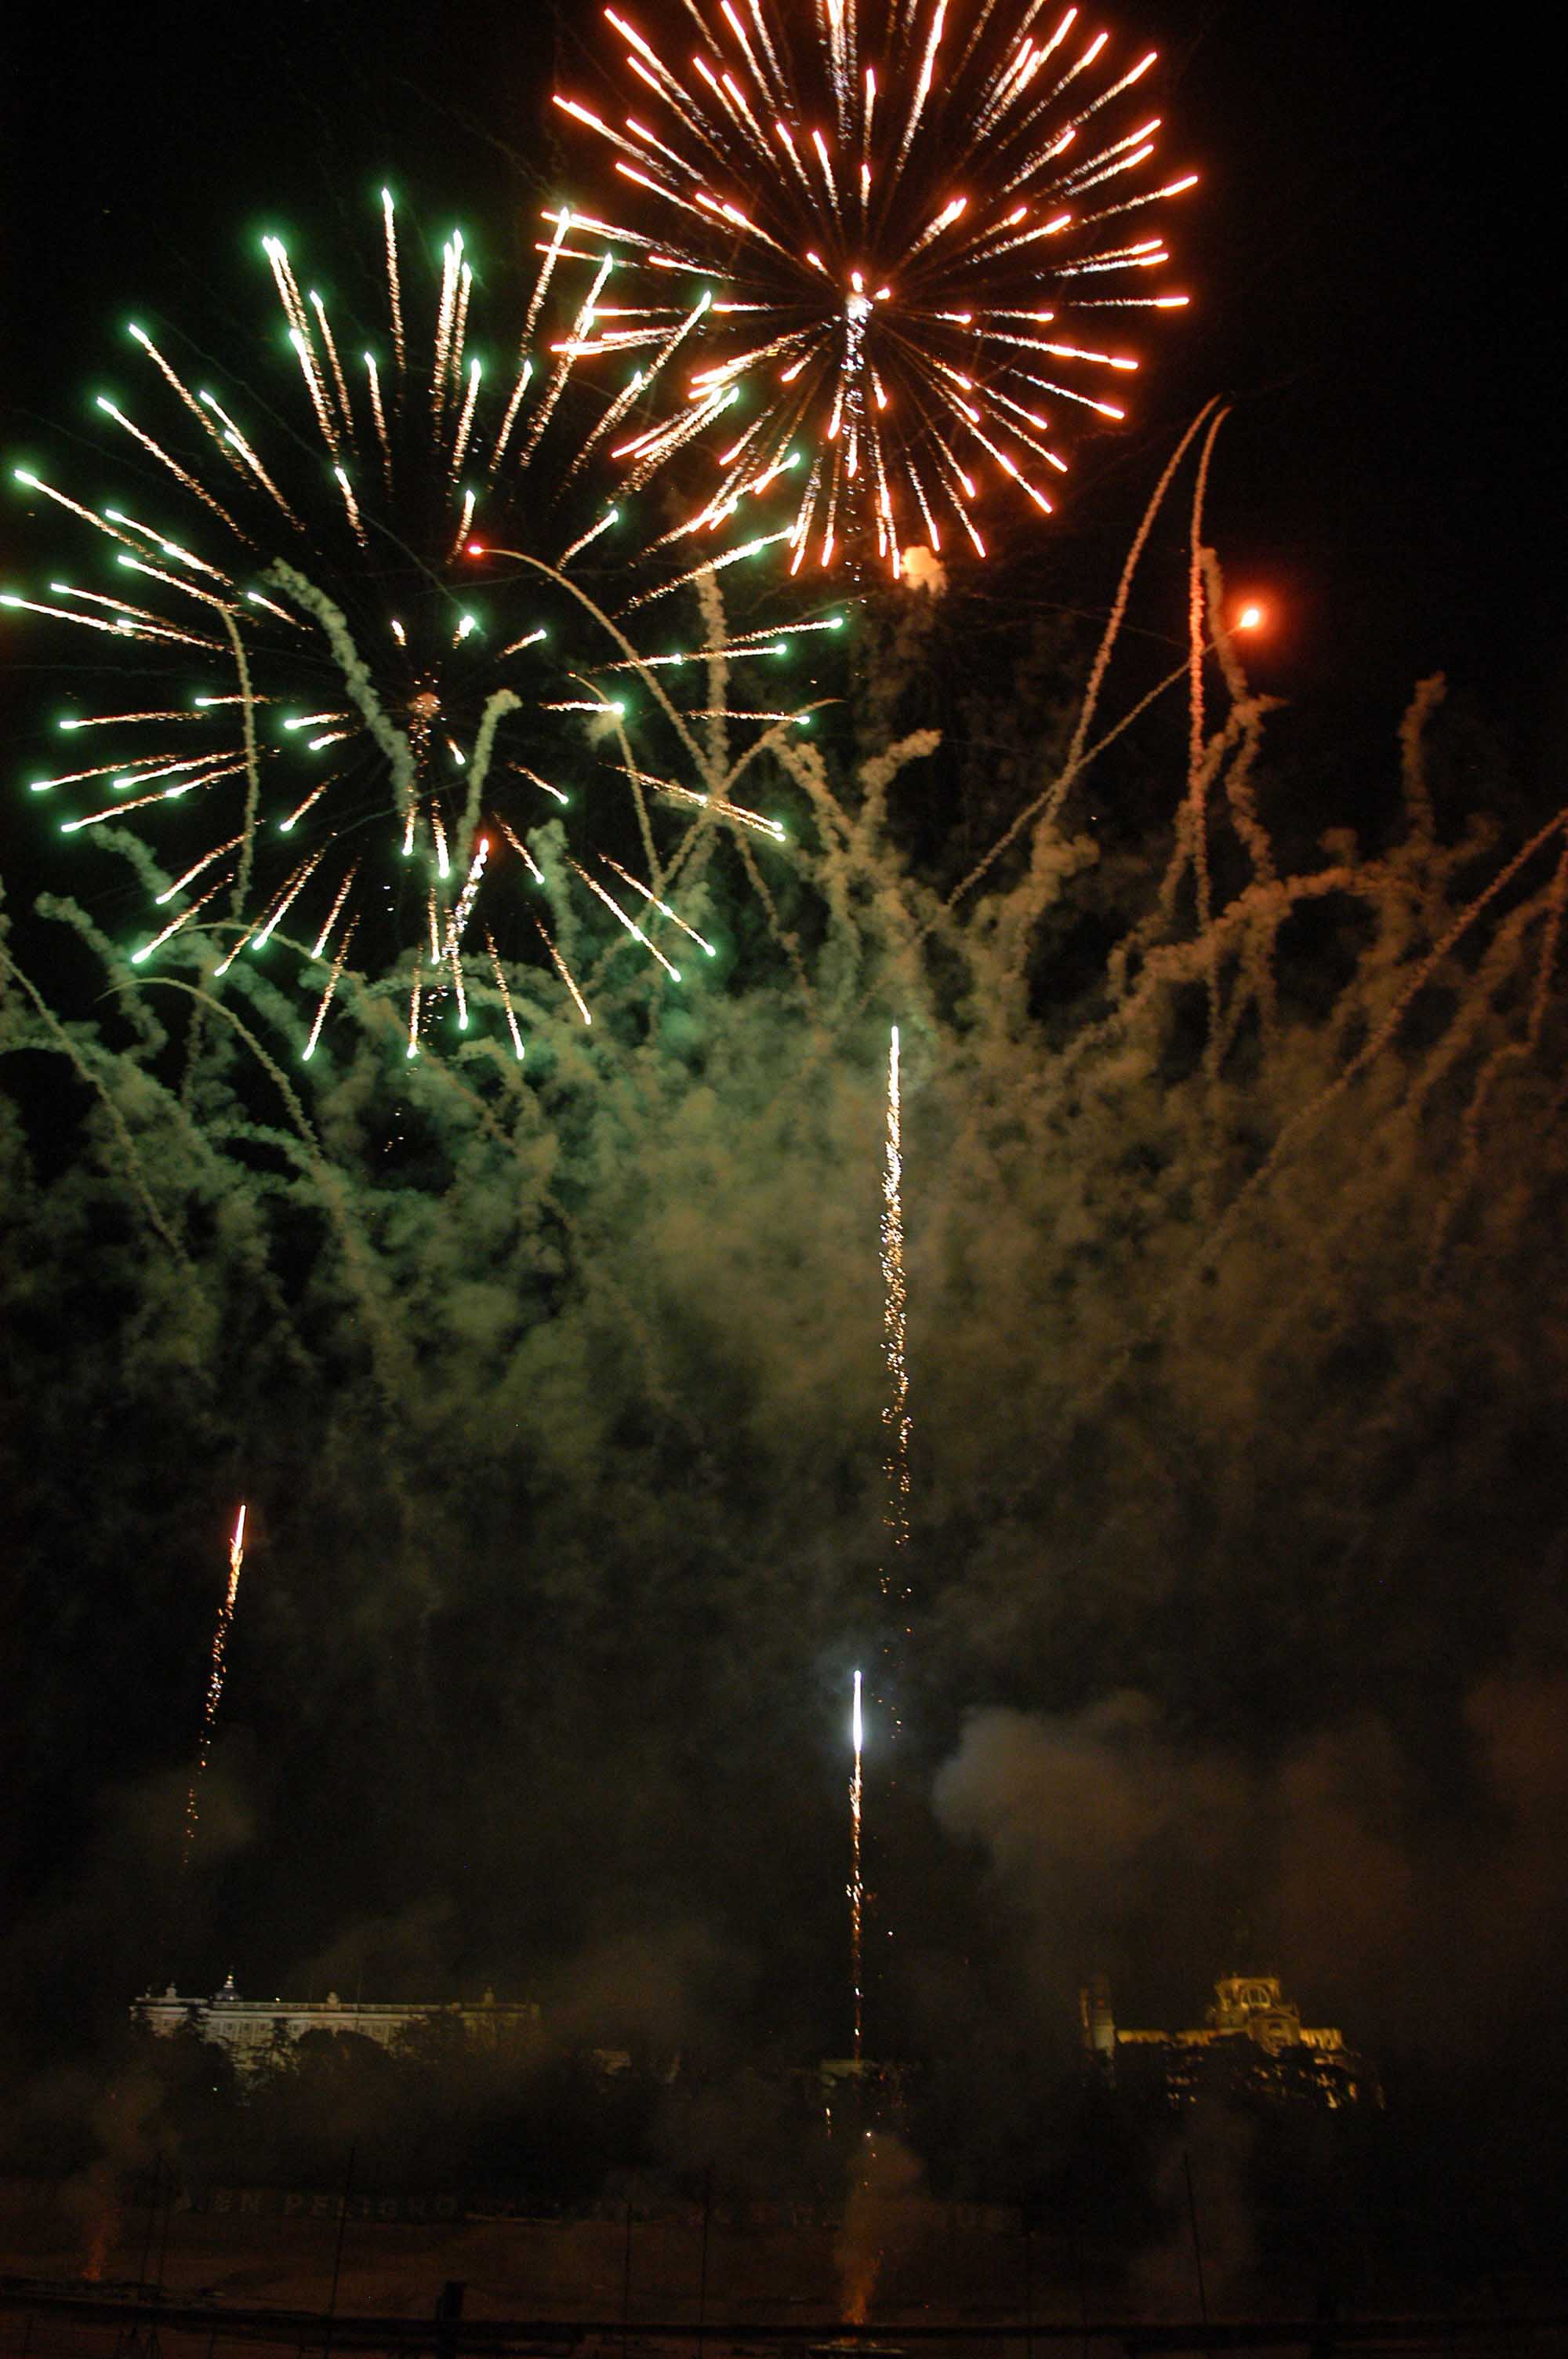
x=907, y=208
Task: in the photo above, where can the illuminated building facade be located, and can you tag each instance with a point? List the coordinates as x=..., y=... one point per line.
x=1254, y=2042
x=252, y=2029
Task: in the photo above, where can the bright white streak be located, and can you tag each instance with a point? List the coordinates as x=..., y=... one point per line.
x=663, y=907
x=856, y=1884
x=894, y=1575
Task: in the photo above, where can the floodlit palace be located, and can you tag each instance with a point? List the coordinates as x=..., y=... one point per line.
x=252, y=2029
x=1253, y=2037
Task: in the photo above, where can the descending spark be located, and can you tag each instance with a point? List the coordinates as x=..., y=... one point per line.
x=663, y=908
x=857, y=1890
x=331, y=919
x=566, y=974
x=177, y=924
x=736, y=813
x=215, y=1681
x=368, y=696
x=633, y=927
x=194, y=871
x=893, y=209
x=505, y=996
x=518, y=846
x=326, y=1000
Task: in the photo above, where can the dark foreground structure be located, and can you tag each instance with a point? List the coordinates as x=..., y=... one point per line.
x=47, y=2322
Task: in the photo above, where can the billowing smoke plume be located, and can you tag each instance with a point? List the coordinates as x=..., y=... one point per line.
x=1166, y=1861
x=1234, y=1180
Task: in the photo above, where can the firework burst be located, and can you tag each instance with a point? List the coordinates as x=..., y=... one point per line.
x=396, y=691
x=917, y=217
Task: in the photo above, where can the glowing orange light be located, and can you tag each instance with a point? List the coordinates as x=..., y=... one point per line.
x=1250, y=618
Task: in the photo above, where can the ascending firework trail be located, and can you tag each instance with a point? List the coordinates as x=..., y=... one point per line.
x=215, y=1681
x=894, y=1575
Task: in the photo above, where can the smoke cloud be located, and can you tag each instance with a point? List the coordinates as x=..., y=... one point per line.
x=1233, y=1163
x=1168, y=1861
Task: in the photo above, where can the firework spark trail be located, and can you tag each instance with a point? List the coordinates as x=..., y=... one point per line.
x=517, y=1048
x=214, y=1682
x=326, y=999
x=857, y=1890
x=894, y=1576
x=435, y=715
x=898, y=284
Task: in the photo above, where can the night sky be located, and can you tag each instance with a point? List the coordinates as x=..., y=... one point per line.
x=1363, y=257
x=538, y=1680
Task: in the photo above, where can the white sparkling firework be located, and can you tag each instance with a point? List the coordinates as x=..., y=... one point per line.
x=914, y=217
x=894, y=1577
